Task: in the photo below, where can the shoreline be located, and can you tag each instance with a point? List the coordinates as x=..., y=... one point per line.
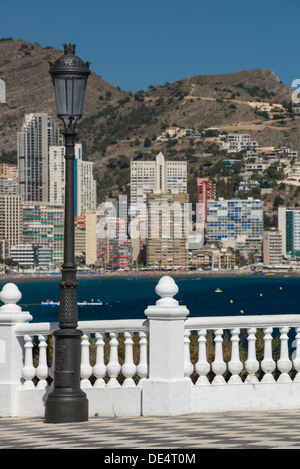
x=156, y=273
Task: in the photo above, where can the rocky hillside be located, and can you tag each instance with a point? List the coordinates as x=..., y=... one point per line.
x=24, y=67
x=118, y=126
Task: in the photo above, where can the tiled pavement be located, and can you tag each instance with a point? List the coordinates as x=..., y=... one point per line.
x=231, y=430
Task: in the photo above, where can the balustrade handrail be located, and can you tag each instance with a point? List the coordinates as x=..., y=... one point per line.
x=192, y=323
x=115, y=325
x=229, y=322
x=35, y=328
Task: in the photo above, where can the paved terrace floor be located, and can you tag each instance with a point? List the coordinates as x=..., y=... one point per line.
x=230, y=430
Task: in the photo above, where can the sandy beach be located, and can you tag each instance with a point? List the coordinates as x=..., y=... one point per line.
x=147, y=273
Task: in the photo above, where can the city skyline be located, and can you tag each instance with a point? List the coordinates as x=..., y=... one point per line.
x=232, y=226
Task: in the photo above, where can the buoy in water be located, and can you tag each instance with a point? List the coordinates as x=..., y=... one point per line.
x=231, y=301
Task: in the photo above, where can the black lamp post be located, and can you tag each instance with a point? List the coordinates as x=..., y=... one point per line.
x=67, y=402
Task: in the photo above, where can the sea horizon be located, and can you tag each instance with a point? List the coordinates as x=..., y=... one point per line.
x=128, y=296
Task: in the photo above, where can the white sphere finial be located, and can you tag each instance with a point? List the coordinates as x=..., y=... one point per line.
x=166, y=289
x=10, y=294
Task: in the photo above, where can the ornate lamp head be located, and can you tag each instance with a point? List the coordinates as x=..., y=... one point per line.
x=69, y=75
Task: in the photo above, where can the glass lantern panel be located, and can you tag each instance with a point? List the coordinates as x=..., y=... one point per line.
x=78, y=96
x=69, y=94
x=61, y=96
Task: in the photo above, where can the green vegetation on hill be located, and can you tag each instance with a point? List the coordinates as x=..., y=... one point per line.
x=118, y=126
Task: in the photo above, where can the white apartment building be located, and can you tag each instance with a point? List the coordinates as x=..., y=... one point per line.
x=251, y=154
x=288, y=153
x=260, y=167
x=236, y=222
x=243, y=138
x=57, y=174
x=31, y=255
x=238, y=142
x=9, y=185
x=247, y=185
x=37, y=134
x=85, y=185
x=294, y=171
x=147, y=176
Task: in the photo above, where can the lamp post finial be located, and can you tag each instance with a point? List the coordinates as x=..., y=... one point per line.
x=69, y=48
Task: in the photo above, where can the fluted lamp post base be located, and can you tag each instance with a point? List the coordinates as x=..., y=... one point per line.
x=67, y=402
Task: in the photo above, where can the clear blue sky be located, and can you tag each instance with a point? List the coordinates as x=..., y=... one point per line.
x=134, y=44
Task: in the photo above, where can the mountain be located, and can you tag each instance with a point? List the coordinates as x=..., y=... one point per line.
x=25, y=69
x=118, y=126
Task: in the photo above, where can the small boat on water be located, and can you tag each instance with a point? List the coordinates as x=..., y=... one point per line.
x=50, y=303
x=92, y=303
x=218, y=290
x=83, y=303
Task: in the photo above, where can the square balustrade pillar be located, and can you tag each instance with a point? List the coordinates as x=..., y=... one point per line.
x=166, y=391
x=11, y=348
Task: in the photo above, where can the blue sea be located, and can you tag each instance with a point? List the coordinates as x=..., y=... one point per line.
x=128, y=297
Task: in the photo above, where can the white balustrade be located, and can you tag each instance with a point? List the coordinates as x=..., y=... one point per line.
x=251, y=364
x=284, y=364
x=42, y=371
x=296, y=355
x=99, y=369
x=249, y=357
x=202, y=366
x=268, y=364
x=188, y=366
x=142, y=368
x=28, y=370
x=85, y=368
x=129, y=368
x=113, y=367
x=218, y=365
x=235, y=366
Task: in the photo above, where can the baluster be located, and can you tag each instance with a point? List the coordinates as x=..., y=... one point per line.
x=251, y=363
x=284, y=364
x=85, y=367
x=113, y=367
x=202, y=365
x=235, y=365
x=142, y=368
x=188, y=366
x=218, y=365
x=28, y=370
x=296, y=355
x=129, y=368
x=51, y=370
x=268, y=364
x=99, y=369
x=42, y=369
